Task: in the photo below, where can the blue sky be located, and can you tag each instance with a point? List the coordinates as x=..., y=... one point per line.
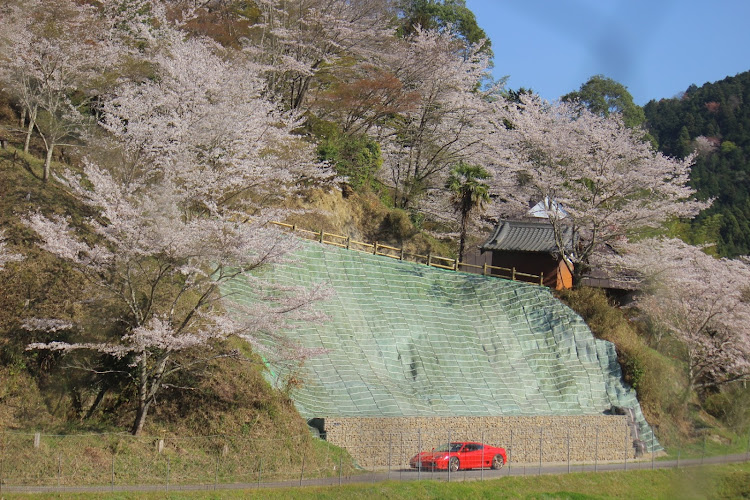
x=656, y=48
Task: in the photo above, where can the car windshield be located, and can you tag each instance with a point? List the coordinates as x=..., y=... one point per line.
x=450, y=447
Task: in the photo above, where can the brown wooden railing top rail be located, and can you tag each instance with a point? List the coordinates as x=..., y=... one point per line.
x=400, y=254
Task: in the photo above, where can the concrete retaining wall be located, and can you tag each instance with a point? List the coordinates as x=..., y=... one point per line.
x=384, y=442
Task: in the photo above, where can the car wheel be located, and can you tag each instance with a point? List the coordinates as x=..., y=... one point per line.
x=453, y=464
x=498, y=462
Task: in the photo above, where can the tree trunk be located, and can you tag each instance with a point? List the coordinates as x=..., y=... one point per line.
x=147, y=389
x=140, y=417
x=76, y=400
x=143, y=401
x=304, y=86
x=298, y=99
x=29, y=130
x=578, y=271
x=462, y=239
x=47, y=163
x=96, y=403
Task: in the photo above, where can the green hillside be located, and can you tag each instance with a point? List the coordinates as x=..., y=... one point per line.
x=719, y=114
x=405, y=339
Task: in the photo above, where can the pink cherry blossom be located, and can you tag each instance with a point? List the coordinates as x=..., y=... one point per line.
x=171, y=221
x=701, y=300
x=52, y=50
x=607, y=179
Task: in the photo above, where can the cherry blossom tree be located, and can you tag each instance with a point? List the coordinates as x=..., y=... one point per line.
x=205, y=120
x=53, y=53
x=176, y=220
x=300, y=41
x=702, y=300
x=607, y=181
x=16, y=77
x=447, y=122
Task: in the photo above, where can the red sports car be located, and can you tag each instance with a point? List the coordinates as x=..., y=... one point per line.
x=460, y=455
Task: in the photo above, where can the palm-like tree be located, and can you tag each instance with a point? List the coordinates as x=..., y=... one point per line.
x=468, y=194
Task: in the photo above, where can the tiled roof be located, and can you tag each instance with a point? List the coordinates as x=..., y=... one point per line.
x=525, y=236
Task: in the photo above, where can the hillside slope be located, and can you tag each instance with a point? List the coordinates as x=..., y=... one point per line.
x=410, y=340
x=713, y=120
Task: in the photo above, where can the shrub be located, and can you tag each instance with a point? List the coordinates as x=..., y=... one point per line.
x=398, y=225
x=357, y=158
x=731, y=405
x=656, y=377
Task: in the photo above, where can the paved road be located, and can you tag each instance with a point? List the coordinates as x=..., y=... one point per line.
x=397, y=475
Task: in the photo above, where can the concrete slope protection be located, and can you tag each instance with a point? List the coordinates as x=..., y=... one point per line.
x=405, y=339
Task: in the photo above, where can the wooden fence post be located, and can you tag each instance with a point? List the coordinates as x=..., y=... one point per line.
x=513, y=274
x=321, y=236
x=484, y=270
x=429, y=259
x=541, y=279
x=375, y=248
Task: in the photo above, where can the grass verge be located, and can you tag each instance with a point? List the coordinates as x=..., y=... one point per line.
x=715, y=482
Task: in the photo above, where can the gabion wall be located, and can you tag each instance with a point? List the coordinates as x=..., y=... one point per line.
x=390, y=442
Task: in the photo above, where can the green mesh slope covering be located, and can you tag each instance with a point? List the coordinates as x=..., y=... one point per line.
x=409, y=340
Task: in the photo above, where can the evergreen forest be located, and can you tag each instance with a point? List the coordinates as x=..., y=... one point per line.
x=714, y=121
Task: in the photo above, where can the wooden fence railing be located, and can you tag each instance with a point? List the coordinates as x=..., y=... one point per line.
x=400, y=254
